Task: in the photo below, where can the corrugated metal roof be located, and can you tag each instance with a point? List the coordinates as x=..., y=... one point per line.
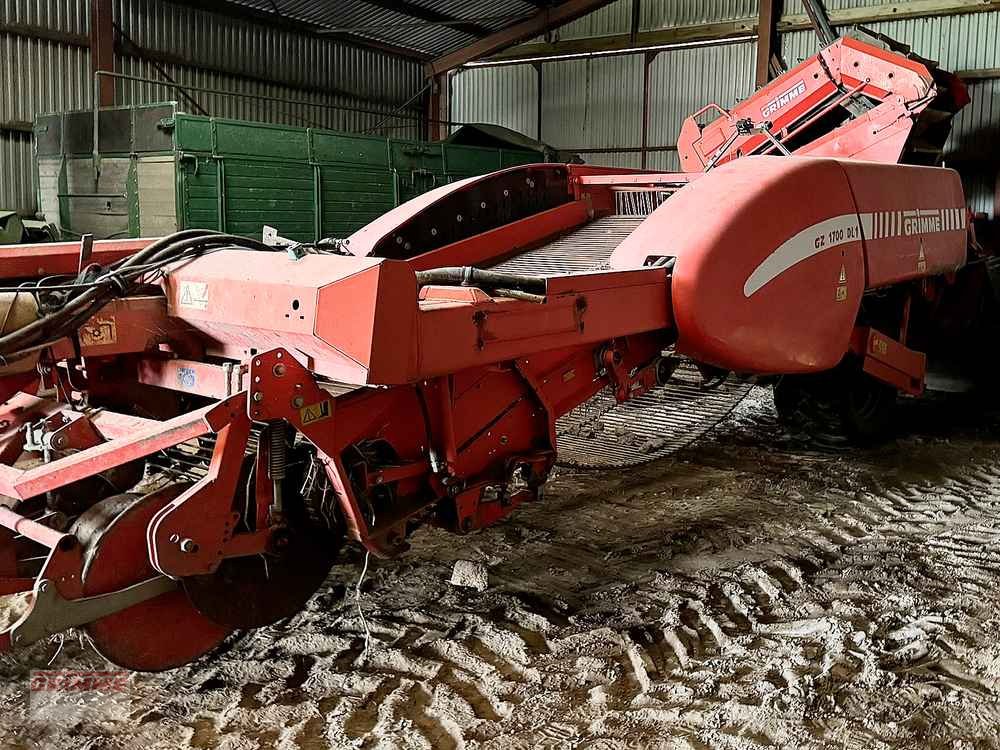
x=425, y=27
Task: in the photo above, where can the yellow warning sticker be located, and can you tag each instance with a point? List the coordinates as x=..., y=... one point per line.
x=315, y=412
x=841, y=295
x=99, y=332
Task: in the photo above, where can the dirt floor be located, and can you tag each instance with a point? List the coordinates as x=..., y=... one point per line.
x=745, y=593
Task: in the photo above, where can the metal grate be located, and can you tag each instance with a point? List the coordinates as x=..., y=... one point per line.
x=602, y=433
x=640, y=202
x=587, y=249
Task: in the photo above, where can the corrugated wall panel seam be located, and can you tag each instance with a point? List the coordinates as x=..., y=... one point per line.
x=596, y=102
x=203, y=38
x=41, y=76
x=505, y=95
x=17, y=187
x=311, y=113
x=682, y=81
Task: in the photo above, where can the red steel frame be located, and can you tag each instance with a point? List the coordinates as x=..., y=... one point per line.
x=468, y=386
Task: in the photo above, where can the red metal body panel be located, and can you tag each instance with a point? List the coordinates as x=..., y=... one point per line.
x=913, y=218
x=798, y=320
x=777, y=291
x=900, y=87
x=49, y=258
x=358, y=320
x=757, y=266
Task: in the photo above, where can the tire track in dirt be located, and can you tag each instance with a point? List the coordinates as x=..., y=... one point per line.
x=735, y=597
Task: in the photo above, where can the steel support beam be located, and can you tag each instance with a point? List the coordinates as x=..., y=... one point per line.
x=27, y=31
x=539, y=23
x=408, y=8
x=820, y=20
x=102, y=48
x=768, y=41
x=276, y=20
x=647, y=64
x=721, y=32
x=439, y=106
x=980, y=74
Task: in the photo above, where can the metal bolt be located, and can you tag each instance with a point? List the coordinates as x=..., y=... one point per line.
x=298, y=402
x=189, y=546
x=278, y=370
x=258, y=396
x=174, y=538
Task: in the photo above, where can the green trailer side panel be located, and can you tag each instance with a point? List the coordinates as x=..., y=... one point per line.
x=341, y=148
x=192, y=171
x=193, y=133
x=352, y=197
x=510, y=158
x=199, y=193
x=261, y=141
x=467, y=160
x=276, y=193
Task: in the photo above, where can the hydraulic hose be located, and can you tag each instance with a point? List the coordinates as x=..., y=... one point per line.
x=469, y=276
x=118, y=280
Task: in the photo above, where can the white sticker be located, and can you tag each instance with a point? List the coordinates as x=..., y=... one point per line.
x=193, y=294
x=809, y=242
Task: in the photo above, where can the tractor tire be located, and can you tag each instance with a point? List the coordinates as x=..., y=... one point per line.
x=837, y=409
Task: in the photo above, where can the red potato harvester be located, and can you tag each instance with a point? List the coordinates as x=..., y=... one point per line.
x=193, y=426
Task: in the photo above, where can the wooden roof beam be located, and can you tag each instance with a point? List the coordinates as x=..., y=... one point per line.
x=539, y=23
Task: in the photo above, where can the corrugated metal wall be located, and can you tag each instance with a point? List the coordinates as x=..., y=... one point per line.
x=505, y=95
x=195, y=48
x=596, y=103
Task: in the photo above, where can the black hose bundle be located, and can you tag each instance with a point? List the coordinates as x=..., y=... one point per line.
x=469, y=276
x=65, y=306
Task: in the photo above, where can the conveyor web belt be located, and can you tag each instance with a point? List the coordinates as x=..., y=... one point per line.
x=602, y=433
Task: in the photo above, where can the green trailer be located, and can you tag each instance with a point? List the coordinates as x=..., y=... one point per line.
x=158, y=170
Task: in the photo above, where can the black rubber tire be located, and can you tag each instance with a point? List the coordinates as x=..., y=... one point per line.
x=836, y=409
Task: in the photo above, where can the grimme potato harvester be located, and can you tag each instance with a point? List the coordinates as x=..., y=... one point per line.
x=193, y=426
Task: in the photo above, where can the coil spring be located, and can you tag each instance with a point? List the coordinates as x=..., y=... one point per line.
x=278, y=455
